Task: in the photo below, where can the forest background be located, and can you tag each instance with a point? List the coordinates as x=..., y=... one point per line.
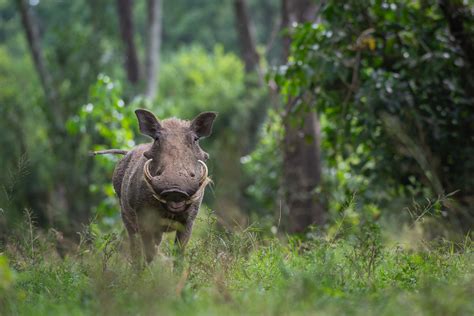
x=341, y=159
x=319, y=104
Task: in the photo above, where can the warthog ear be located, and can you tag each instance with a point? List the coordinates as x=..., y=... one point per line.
x=148, y=122
x=202, y=124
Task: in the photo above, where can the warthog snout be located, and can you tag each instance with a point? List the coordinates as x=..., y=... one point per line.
x=174, y=195
x=175, y=200
x=175, y=189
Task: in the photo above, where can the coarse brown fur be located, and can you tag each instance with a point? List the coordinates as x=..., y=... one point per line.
x=174, y=166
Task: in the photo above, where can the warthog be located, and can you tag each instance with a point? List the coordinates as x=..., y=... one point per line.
x=161, y=184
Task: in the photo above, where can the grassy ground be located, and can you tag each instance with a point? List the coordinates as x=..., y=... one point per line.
x=242, y=273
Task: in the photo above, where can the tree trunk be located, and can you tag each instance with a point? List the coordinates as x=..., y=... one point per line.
x=302, y=171
x=60, y=203
x=125, y=15
x=246, y=37
x=301, y=152
x=456, y=14
x=152, y=62
x=31, y=28
x=285, y=25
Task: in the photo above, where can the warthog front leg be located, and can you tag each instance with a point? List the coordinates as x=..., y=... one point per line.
x=148, y=245
x=135, y=251
x=183, y=235
x=130, y=220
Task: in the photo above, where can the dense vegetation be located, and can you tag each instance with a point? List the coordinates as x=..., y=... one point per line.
x=341, y=156
x=238, y=273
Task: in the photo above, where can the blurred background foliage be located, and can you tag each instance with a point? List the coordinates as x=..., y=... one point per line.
x=391, y=81
x=395, y=95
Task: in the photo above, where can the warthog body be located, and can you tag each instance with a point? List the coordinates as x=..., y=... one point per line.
x=161, y=184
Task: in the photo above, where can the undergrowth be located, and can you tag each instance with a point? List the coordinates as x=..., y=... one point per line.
x=234, y=273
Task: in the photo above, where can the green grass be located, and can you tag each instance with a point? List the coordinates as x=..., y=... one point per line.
x=244, y=273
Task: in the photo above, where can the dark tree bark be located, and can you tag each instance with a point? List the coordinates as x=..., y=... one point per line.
x=152, y=62
x=31, y=30
x=302, y=171
x=246, y=37
x=296, y=11
x=125, y=15
x=301, y=152
x=455, y=13
x=285, y=25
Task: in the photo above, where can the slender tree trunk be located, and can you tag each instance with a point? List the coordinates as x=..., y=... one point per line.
x=125, y=15
x=302, y=171
x=246, y=36
x=31, y=28
x=301, y=152
x=60, y=199
x=456, y=14
x=152, y=62
x=285, y=25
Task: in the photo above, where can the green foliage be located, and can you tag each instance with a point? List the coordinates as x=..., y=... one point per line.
x=194, y=80
x=78, y=53
x=392, y=90
x=105, y=117
x=7, y=275
x=103, y=123
x=207, y=23
x=243, y=272
x=263, y=171
x=54, y=186
x=24, y=139
x=184, y=16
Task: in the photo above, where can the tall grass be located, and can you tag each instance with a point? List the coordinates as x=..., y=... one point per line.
x=229, y=273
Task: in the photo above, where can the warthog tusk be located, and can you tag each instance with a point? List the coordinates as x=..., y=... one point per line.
x=204, y=175
x=148, y=179
x=146, y=169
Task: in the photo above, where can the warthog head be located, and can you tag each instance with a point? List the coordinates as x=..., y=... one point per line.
x=175, y=170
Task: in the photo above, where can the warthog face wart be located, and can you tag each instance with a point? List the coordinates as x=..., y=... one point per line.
x=175, y=169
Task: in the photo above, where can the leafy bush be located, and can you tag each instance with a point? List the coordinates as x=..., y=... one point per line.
x=103, y=123
x=392, y=90
x=193, y=80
